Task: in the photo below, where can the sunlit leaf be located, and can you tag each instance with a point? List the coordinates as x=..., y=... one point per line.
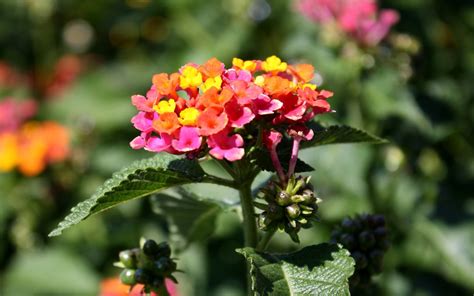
x=140, y=179
x=315, y=270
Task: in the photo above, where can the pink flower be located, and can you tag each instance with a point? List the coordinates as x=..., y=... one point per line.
x=298, y=133
x=158, y=144
x=188, y=139
x=233, y=74
x=238, y=115
x=13, y=113
x=372, y=32
x=293, y=108
x=139, y=142
x=225, y=146
x=152, y=94
x=263, y=105
x=143, y=121
x=142, y=103
x=245, y=92
x=271, y=139
x=358, y=18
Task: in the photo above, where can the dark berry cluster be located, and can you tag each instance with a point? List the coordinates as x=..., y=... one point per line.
x=289, y=207
x=365, y=236
x=148, y=265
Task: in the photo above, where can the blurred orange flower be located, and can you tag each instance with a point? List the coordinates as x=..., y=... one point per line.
x=114, y=287
x=33, y=146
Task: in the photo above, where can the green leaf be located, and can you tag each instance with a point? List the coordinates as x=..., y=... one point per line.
x=322, y=269
x=190, y=218
x=339, y=134
x=140, y=179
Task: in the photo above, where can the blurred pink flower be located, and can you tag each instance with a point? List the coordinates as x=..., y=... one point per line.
x=14, y=112
x=360, y=19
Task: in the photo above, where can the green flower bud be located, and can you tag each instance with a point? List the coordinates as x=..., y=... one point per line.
x=129, y=259
x=297, y=198
x=309, y=197
x=293, y=211
x=127, y=277
x=283, y=198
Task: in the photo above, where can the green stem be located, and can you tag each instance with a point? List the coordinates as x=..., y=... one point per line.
x=248, y=213
x=262, y=244
x=249, y=223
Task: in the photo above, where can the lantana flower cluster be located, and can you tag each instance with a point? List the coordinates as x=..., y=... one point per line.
x=205, y=108
x=360, y=19
x=29, y=145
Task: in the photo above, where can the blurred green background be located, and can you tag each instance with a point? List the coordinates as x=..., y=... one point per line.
x=416, y=89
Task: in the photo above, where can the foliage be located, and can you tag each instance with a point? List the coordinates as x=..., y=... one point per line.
x=315, y=270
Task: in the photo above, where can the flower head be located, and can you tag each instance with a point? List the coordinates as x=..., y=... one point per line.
x=360, y=19
x=223, y=108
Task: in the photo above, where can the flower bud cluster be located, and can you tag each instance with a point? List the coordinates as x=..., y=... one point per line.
x=365, y=236
x=149, y=265
x=288, y=208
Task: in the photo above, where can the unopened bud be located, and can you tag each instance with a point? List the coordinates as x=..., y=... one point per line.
x=293, y=211
x=283, y=198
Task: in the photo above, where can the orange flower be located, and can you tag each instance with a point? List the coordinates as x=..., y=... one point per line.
x=8, y=151
x=303, y=72
x=166, y=85
x=114, y=287
x=212, y=120
x=57, y=138
x=212, y=97
x=33, y=149
x=167, y=123
x=212, y=68
x=277, y=86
